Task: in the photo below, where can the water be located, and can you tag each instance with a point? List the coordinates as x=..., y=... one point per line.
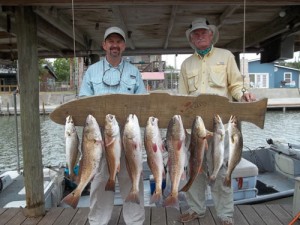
x=277, y=125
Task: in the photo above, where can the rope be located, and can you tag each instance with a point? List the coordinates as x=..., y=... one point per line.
x=74, y=49
x=244, y=44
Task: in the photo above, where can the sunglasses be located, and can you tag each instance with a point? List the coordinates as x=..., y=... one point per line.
x=107, y=76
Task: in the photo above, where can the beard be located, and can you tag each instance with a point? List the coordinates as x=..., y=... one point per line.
x=115, y=52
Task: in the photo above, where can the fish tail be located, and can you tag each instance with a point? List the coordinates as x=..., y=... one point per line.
x=110, y=185
x=133, y=196
x=72, y=199
x=227, y=181
x=156, y=197
x=172, y=201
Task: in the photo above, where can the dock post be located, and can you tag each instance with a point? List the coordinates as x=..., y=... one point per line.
x=296, y=198
x=8, y=108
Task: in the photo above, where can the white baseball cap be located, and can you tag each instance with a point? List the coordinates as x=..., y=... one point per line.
x=114, y=30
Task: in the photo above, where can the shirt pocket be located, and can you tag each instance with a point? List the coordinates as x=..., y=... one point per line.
x=96, y=85
x=217, y=76
x=192, y=81
x=128, y=85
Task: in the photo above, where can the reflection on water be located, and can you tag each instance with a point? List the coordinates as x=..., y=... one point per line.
x=277, y=125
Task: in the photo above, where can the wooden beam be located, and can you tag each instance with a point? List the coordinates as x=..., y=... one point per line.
x=170, y=25
x=117, y=12
x=227, y=13
x=30, y=117
x=60, y=23
x=276, y=27
x=144, y=2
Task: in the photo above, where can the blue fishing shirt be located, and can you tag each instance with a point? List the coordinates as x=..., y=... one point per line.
x=102, y=78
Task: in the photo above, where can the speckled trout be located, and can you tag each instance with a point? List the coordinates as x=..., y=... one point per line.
x=132, y=144
x=218, y=146
x=154, y=148
x=113, y=147
x=177, y=156
x=92, y=150
x=197, y=146
x=235, y=148
x=72, y=146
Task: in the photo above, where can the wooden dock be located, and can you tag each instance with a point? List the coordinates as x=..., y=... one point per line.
x=259, y=214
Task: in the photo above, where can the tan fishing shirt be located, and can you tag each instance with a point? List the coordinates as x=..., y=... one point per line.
x=215, y=73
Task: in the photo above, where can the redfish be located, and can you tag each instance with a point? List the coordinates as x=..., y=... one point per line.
x=235, y=148
x=72, y=146
x=218, y=146
x=113, y=148
x=154, y=148
x=197, y=146
x=177, y=157
x=92, y=150
x=132, y=144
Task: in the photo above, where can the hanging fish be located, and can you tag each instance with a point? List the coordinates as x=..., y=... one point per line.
x=218, y=146
x=72, y=146
x=154, y=148
x=92, y=149
x=132, y=144
x=197, y=146
x=177, y=156
x=113, y=148
x=235, y=148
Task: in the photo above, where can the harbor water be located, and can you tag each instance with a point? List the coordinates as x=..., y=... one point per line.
x=277, y=125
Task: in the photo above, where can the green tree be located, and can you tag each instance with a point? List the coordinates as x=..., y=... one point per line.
x=61, y=67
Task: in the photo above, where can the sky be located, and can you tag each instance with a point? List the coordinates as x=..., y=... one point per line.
x=176, y=62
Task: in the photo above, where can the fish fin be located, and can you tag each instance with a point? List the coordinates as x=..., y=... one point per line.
x=156, y=197
x=133, y=197
x=227, y=181
x=112, y=140
x=183, y=175
x=72, y=199
x=110, y=185
x=118, y=168
x=200, y=170
x=179, y=144
x=171, y=201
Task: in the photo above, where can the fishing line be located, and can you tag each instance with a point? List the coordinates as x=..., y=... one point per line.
x=74, y=50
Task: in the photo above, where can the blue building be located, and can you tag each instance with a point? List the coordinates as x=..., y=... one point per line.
x=272, y=75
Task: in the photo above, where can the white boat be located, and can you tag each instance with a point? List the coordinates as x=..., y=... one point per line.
x=12, y=190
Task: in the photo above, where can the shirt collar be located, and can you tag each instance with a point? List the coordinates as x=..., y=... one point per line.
x=108, y=65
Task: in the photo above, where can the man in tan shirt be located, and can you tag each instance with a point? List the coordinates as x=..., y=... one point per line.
x=210, y=70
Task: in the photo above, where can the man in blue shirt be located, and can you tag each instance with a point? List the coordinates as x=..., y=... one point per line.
x=113, y=75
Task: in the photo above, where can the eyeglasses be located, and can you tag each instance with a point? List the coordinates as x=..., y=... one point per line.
x=107, y=77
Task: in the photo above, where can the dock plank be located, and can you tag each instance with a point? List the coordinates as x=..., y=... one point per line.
x=267, y=216
x=251, y=215
x=243, y=215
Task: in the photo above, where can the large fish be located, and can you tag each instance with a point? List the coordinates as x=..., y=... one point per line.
x=132, y=143
x=218, y=146
x=177, y=156
x=197, y=146
x=113, y=147
x=92, y=149
x=72, y=146
x=235, y=148
x=154, y=148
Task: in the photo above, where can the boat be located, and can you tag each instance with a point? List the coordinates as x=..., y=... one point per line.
x=12, y=189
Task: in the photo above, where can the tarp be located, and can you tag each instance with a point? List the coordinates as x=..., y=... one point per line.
x=153, y=75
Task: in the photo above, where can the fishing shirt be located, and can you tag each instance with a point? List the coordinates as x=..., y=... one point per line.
x=215, y=73
x=102, y=78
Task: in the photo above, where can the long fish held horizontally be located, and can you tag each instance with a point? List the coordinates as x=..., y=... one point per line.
x=197, y=147
x=235, y=148
x=72, y=146
x=132, y=144
x=177, y=156
x=92, y=149
x=113, y=147
x=154, y=149
x=219, y=144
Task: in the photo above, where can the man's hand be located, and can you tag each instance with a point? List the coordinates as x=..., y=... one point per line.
x=248, y=97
